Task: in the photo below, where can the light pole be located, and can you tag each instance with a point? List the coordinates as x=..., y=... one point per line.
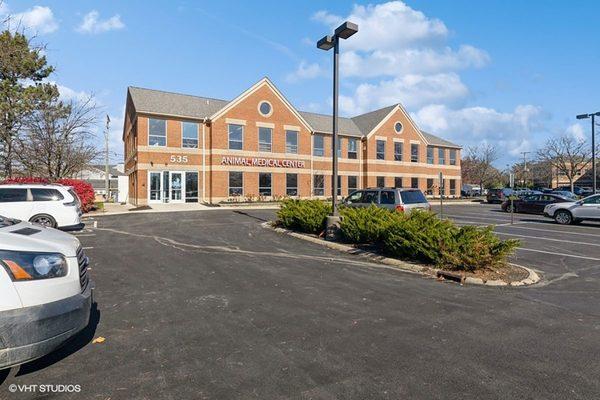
x=586, y=116
x=344, y=31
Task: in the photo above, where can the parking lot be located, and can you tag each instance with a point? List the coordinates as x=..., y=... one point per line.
x=210, y=304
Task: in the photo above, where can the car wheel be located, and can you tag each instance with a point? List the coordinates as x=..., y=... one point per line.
x=563, y=217
x=43, y=220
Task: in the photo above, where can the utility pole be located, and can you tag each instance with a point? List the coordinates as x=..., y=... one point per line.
x=585, y=116
x=106, y=175
x=525, y=166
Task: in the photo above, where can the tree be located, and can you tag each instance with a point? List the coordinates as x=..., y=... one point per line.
x=567, y=155
x=23, y=68
x=477, y=166
x=57, y=140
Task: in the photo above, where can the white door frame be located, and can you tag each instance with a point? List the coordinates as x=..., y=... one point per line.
x=181, y=189
x=160, y=192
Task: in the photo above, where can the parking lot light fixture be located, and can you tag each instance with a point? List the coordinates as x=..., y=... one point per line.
x=592, y=116
x=344, y=31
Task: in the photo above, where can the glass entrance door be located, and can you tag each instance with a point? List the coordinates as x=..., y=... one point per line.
x=177, y=187
x=191, y=187
x=155, y=187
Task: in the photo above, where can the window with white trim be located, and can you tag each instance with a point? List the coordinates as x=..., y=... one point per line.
x=291, y=184
x=236, y=183
x=157, y=132
x=236, y=136
x=452, y=156
x=430, y=155
x=352, y=148
x=441, y=156
x=414, y=152
x=264, y=184
x=398, y=150
x=265, y=136
x=189, y=135
x=352, y=183
x=380, y=149
x=319, y=185
x=318, y=145
x=291, y=142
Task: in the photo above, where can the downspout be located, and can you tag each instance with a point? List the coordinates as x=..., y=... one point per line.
x=203, y=162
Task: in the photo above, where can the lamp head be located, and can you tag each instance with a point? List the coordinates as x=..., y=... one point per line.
x=346, y=30
x=583, y=116
x=325, y=43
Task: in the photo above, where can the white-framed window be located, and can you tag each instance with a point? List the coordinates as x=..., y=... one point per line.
x=381, y=181
x=189, y=135
x=380, y=149
x=291, y=184
x=430, y=184
x=265, y=108
x=236, y=183
x=339, y=146
x=264, y=184
x=352, y=148
x=318, y=145
x=398, y=181
x=429, y=155
x=414, y=183
x=352, y=183
x=398, y=150
x=414, y=152
x=452, y=187
x=291, y=142
x=265, y=137
x=441, y=156
x=452, y=156
x=319, y=185
x=236, y=136
x=157, y=132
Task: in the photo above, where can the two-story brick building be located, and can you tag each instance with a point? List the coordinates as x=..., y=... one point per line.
x=182, y=148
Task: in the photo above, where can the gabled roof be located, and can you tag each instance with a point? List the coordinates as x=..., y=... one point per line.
x=159, y=102
x=174, y=104
x=323, y=123
x=366, y=122
x=438, y=141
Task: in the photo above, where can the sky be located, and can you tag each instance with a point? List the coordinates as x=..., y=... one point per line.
x=511, y=74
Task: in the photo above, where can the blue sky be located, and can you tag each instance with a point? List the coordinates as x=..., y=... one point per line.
x=507, y=73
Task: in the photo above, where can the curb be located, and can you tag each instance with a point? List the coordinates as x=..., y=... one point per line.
x=531, y=279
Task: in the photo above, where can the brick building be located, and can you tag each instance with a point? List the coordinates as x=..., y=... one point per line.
x=181, y=148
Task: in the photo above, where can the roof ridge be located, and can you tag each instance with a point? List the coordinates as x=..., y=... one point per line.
x=177, y=93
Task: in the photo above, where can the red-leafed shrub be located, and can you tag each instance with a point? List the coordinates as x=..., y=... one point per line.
x=84, y=190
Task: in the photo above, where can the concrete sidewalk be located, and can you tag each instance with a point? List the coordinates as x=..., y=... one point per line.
x=116, y=209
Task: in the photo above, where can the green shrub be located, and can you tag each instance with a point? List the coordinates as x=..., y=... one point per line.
x=303, y=215
x=365, y=225
x=424, y=237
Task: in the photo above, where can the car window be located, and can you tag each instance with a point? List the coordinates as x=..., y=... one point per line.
x=531, y=198
x=4, y=222
x=370, y=196
x=547, y=198
x=592, y=200
x=12, y=195
x=355, y=197
x=412, y=197
x=388, y=197
x=46, y=195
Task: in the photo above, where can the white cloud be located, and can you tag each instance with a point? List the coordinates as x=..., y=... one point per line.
x=68, y=94
x=92, y=23
x=512, y=132
x=577, y=131
x=412, y=91
x=38, y=19
x=306, y=71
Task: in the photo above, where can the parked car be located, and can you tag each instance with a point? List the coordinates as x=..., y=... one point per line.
x=54, y=206
x=398, y=199
x=498, y=195
x=45, y=290
x=533, y=203
x=565, y=193
x=574, y=211
x=579, y=191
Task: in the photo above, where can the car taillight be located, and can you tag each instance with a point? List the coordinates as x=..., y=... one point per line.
x=400, y=208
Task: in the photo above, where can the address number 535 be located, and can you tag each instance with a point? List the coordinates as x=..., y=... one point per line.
x=178, y=159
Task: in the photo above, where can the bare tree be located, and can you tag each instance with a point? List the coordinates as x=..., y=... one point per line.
x=58, y=140
x=567, y=155
x=477, y=165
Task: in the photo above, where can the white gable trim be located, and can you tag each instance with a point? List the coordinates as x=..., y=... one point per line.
x=254, y=88
x=387, y=117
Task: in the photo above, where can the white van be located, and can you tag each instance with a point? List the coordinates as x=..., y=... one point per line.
x=45, y=290
x=54, y=206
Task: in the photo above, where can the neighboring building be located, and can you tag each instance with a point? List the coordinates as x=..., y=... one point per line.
x=117, y=180
x=181, y=148
x=582, y=179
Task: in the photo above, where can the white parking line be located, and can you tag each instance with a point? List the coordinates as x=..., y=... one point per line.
x=547, y=230
x=549, y=239
x=559, y=254
x=87, y=248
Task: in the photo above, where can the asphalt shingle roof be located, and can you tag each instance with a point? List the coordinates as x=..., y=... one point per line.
x=196, y=107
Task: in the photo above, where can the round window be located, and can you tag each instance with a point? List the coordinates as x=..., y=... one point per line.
x=398, y=127
x=265, y=108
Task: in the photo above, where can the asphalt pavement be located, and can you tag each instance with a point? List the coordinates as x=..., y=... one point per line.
x=210, y=305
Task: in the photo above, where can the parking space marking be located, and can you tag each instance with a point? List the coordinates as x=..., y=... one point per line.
x=559, y=254
x=547, y=230
x=87, y=248
x=549, y=239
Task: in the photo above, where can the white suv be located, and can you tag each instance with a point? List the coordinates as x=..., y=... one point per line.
x=573, y=212
x=45, y=290
x=54, y=206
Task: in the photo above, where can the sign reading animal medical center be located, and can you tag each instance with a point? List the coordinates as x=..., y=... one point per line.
x=262, y=162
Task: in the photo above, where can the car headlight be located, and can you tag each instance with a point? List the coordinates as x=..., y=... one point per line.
x=25, y=266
